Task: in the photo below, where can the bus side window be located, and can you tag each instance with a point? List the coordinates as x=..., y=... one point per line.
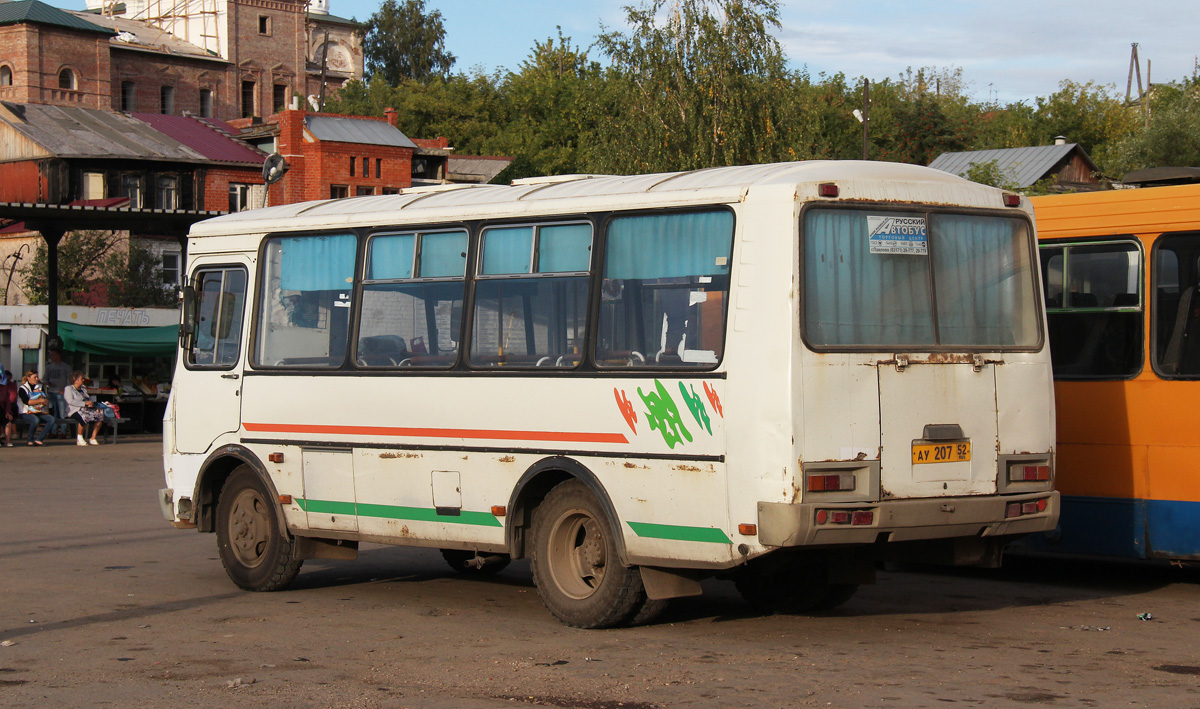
x=221, y=304
x=1094, y=309
x=531, y=296
x=412, y=290
x=663, y=297
x=304, y=314
x=1176, y=281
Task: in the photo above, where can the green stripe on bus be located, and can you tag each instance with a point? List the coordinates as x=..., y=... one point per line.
x=414, y=514
x=679, y=532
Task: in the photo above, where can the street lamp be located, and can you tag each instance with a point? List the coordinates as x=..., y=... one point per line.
x=15, y=256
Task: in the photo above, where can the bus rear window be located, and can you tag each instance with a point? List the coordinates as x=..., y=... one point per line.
x=890, y=279
x=304, y=312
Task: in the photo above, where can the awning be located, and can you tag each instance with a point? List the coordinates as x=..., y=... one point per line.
x=132, y=341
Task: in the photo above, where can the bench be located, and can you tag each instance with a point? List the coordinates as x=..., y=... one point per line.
x=111, y=425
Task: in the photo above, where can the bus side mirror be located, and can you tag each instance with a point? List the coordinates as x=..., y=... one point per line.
x=187, y=323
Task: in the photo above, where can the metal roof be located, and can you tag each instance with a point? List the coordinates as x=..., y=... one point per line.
x=1022, y=166
x=69, y=132
x=880, y=181
x=140, y=35
x=198, y=134
x=475, y=168
x=363, y=131
x=37, y=12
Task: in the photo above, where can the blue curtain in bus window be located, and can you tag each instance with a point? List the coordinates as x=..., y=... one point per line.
x=855, y=297
x=507, y=250
x=444, y=255
x=984, y=280
x=669, y=246
x=391, y=257
x=565, y=248
x=314, y=263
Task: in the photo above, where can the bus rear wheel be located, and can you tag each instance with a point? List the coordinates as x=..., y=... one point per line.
x=575, y=564
x=256, y=555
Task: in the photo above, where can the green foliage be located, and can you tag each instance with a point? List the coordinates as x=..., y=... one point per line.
x=697, y=83
x=134, y=280
x=989, y=172
x=1171, y=139
x=695, y=89
x=403, y=42
x=80, y=255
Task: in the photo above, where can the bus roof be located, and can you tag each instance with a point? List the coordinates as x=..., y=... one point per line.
x=872, y=181
x=1145, y=210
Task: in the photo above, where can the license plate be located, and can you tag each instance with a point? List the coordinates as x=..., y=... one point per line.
x=953, y=452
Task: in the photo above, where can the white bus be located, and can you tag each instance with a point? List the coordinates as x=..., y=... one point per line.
x=779, y=374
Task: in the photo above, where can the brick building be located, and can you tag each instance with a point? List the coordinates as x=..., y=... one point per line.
x=212, y=58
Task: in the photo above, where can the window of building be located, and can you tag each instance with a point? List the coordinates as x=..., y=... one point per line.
x=167, y=194
x=366, y=167
x=279, y=97
x=353, y=162
x=378, y=168
x=128, y=96
x=338, y=191
x=663, y=297
x=1094, y=309
x=239, y=197
x=166, y=100
x=364, y=191
x=66, y=79
x=412, y=299
x=1176, y=280
x=531, y=296
x=303, y=317
x=247, y=99
x=391, y=190
x=131, y=187
x=93, y=185
x=6, y=76
x=264, y=24
x=170, y=268
x=206, y=103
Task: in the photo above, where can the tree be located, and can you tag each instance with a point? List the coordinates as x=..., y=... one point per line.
x=134, y=279
x=401, y=41
x=80, y=254
x=1171, y=139
x=696, y=89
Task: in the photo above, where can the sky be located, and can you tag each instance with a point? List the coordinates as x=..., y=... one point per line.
x=1009, y=50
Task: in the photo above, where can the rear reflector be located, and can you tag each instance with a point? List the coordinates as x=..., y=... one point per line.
x=851, y=517
x=1012, y=200
x=827, y=189
x=1018, y=509
x=831, y=483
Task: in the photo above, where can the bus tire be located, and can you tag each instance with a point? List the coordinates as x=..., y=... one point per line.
x=575, y=564
x=256, y=555
x=464, y=562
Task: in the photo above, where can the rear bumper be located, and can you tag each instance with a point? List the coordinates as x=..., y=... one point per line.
x=789, y=525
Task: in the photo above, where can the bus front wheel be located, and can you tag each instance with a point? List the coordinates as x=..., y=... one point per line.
x=256, y=555
x=575, y=563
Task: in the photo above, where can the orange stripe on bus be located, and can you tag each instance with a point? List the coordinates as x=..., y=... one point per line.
x=556, y=436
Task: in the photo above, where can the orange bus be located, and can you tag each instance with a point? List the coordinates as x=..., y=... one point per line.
x=1122, y=270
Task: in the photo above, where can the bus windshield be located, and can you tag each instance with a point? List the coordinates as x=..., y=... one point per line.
x=876, y=278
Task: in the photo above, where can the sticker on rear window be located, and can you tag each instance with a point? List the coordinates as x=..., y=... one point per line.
x=897, y=235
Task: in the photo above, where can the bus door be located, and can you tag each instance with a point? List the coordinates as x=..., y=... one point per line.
x=211, y=381
x=938, y=426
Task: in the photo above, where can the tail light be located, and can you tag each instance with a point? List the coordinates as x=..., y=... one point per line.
x=1029, y=473
x=851, y=517
x=831, y=483
x=1019, y=509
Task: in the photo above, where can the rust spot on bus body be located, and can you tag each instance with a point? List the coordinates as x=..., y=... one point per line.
x=508, y=459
